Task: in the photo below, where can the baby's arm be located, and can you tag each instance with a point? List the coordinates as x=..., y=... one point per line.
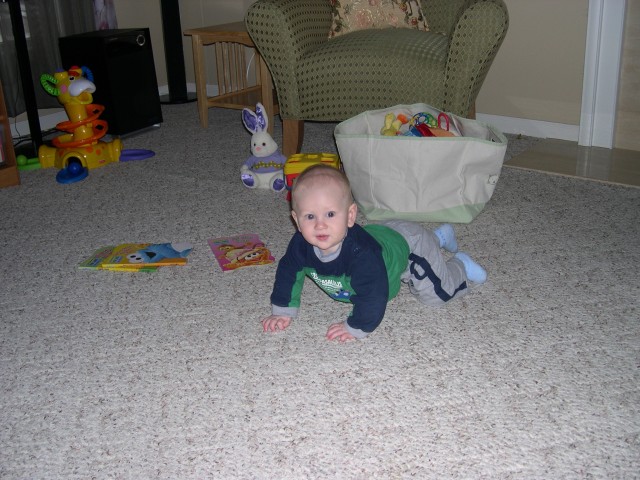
x=370, y=284
x=274, y=323
x=285, y=298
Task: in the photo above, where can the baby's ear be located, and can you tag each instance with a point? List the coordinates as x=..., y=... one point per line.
x=295, y=219
x=353, y=213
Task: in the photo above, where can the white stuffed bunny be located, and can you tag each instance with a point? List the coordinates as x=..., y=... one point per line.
x=262, y=144
x=264, y=168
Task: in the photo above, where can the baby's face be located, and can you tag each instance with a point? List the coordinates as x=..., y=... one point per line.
x=323, y=215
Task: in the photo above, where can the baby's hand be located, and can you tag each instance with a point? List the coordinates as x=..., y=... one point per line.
x=338, y=331
x=273, y=323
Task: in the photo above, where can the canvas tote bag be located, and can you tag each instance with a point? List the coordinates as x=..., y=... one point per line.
x=422, y=179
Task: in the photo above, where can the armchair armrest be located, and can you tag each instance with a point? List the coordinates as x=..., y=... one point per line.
x=475, y=40
x=283, y=30
x=442, y=15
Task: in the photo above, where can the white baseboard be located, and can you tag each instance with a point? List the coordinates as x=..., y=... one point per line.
x=532, y=128
x=524, y=126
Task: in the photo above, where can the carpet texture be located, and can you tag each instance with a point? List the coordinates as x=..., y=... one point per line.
x=535, y=374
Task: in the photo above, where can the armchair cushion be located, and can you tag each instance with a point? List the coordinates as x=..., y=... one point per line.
x=351, y=15
x=371, y=69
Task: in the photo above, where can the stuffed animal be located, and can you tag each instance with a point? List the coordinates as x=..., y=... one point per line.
x=264, y=168
x=393, y=124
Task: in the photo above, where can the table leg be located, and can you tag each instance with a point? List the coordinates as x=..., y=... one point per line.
x=201, y=79
x=266, y=85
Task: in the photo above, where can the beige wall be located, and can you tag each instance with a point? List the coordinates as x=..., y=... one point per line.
x=193, y=13
x=145, y=14
x=538, y=71
x=537, y=74
x=199, y=13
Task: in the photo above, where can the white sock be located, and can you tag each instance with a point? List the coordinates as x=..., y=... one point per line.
x=447, y=237
x=474, y=272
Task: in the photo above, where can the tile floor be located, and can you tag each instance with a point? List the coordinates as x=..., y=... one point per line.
x=567, y=158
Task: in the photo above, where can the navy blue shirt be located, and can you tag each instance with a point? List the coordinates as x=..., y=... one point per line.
x=365, y=272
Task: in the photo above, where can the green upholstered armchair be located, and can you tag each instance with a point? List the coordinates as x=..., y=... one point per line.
x=322, y=79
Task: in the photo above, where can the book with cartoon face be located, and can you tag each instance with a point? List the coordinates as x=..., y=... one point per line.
x=137, y=256
x=239, y=251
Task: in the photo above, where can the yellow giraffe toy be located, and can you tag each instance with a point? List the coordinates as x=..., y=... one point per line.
x=80, y=149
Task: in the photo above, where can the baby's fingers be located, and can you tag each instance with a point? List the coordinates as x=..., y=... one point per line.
x=272, y=324
x=283, y=323
x=334, y=331
x=339, y=332
x=345, y=337
x=267, y=324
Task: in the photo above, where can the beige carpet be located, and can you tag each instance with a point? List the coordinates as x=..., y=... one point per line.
x=168, y=375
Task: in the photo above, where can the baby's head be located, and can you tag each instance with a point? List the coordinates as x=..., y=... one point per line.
x=321, y=176
x=322, y=206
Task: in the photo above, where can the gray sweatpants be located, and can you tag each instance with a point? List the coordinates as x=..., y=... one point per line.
x=432, y=278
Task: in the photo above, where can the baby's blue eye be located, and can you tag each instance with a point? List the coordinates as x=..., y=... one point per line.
x=310, y=216
x=331, y=214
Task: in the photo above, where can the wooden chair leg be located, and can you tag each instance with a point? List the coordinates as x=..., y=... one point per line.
x=472, y=112
x=292, y=136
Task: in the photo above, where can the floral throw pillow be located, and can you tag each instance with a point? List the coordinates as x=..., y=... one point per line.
x=352, y=15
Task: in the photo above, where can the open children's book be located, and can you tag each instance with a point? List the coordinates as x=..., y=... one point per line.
x=238, y=251
x=137, y=256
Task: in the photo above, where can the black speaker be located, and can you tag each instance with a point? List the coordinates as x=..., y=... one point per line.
x=124, y=74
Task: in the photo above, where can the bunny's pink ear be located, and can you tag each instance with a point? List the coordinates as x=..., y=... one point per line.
x=250, y=120
x=262, y=117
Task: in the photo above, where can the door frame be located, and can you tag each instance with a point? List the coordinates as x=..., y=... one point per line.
x=605, y=28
